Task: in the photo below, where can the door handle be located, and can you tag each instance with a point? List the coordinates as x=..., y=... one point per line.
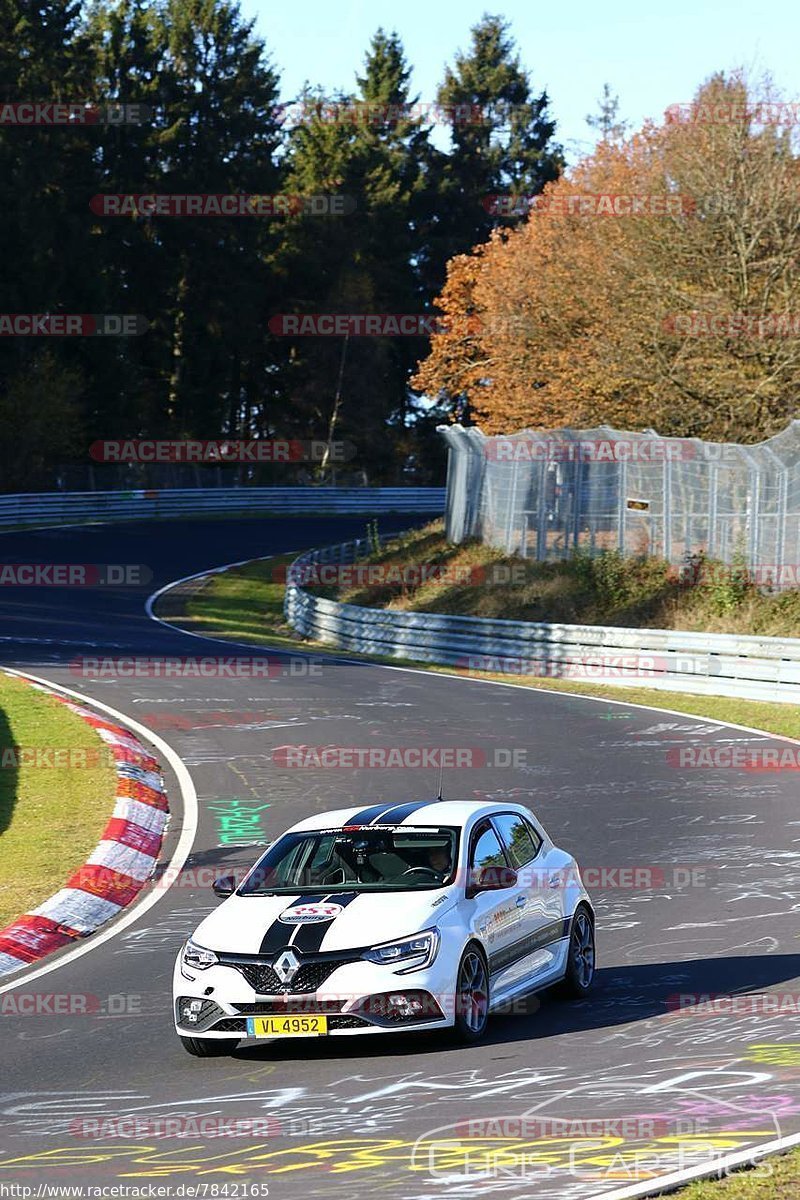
x=521, y=902
x=554, y=881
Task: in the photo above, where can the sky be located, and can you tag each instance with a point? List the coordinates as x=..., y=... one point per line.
x=653, y=55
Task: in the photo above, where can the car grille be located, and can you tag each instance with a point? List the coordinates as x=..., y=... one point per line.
x=347, y=1022
x=231, y=1025
x=268, y=1007
x=310, y=976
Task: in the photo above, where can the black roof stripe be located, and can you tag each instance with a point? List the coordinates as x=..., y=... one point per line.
x=397, y=814
x=367, y=814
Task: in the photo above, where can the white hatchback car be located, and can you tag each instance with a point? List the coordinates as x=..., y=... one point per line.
x=406, y=917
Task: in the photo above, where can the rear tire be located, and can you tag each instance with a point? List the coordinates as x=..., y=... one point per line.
x=472, y=996
x=581, y=956
x=208, y=1047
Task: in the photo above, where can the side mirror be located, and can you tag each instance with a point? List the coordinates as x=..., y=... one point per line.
x=492, y=879
x=224, y=886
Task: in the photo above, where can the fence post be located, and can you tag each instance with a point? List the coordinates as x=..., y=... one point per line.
x=622, y=483
x=667, y=516
x=512, y=507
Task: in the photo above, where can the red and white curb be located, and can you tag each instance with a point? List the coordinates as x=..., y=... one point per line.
x=118, y=867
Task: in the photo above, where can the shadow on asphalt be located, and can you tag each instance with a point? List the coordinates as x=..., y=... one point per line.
x=621, y=996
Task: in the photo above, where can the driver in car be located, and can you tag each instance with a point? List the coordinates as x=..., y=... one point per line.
x=439, y=860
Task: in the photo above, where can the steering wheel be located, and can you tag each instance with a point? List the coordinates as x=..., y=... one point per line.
x=416, y=870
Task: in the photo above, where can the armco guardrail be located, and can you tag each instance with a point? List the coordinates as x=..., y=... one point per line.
x=713, y=664
x=58, y=508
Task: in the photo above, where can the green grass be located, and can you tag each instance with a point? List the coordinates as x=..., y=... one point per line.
x=774, y=1179
x=243, y=604
x=50, y=818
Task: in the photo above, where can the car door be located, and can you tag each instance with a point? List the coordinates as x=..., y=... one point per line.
x=497, y=916
x=541, y=924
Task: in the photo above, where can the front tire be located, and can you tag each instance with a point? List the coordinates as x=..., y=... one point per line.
x=581, y=956
x=472, y=996
x=208, y=1047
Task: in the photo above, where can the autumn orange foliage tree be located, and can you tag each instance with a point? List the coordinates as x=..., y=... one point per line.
x=654, y=285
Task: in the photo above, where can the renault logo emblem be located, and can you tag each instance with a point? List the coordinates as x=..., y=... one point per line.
x=286, y=966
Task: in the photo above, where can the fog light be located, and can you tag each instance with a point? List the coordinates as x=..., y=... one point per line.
x=396, y=1007
x=191, y=1011
x=405, y=1006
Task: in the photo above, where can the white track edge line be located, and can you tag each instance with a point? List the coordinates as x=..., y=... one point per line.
x=677, y=1179
x=331, y=653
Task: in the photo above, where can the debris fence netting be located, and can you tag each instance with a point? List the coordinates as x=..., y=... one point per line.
x=546, y=494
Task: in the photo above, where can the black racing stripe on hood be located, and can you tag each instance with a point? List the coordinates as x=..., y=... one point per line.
x=309, y=938
x=277, y=934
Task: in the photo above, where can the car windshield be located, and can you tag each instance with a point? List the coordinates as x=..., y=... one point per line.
x=375, y=858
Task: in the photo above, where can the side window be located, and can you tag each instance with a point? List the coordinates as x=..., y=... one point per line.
x=323, y=853
x=521, y=839
x=486, y=849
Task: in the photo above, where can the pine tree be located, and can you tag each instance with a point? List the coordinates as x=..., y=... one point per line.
x=368, y=146
x=502, y=144
x=606, y=120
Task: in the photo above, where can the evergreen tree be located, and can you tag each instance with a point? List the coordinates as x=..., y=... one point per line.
x=606, y=120
x=502, y=143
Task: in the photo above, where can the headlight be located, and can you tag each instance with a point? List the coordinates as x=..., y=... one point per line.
x=414, y=952
x=197, y=957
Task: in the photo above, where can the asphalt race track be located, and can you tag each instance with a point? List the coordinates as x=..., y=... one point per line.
x=714, y=912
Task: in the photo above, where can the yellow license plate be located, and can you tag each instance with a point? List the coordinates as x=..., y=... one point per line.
x=270, y=1027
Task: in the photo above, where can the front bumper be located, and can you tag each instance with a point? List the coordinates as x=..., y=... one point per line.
x=216, y=1003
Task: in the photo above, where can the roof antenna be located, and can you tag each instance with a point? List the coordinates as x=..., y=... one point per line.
x=439, y=795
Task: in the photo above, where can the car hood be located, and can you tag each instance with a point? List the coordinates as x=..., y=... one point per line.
x=252, y=925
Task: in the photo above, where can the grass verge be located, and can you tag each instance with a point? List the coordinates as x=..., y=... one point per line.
x=419, y=571
x=51, y=818
x=782, y=1183
x=246, y=604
